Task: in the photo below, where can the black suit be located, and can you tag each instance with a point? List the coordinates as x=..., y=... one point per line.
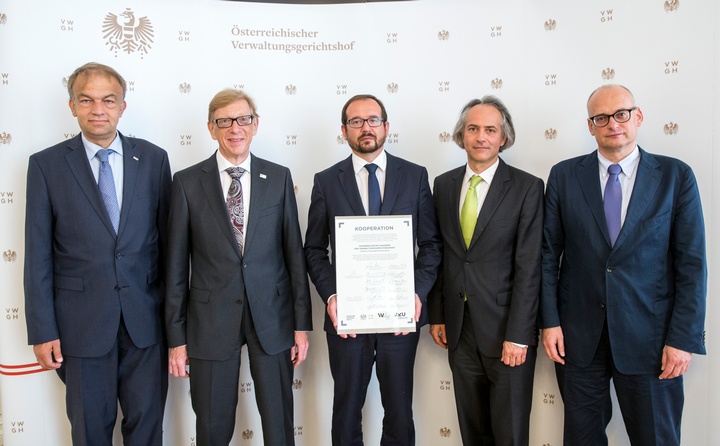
x=500, y=275
x=97, y=292
x=219, y=298
x=335, y=193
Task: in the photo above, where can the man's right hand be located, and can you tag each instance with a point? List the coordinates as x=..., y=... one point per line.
x=554, y=343
x=178, y=361
x=332, y=312
x=49, y=355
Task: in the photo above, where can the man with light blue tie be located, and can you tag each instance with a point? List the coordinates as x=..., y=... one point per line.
x=624, y=279
x=95, y=232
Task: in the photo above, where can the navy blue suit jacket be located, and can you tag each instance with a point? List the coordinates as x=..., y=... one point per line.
x=208, y=276
x=79, y=276
x=650, y=287
x=407, y=192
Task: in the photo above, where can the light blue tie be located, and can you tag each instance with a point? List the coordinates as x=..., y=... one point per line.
x=106, y=184
x=613, y=202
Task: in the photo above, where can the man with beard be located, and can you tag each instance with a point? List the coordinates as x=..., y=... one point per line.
x=371, y=182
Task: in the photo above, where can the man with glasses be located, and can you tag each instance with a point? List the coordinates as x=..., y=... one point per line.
x=371, y=182
x=236, y=276
x=624, y=279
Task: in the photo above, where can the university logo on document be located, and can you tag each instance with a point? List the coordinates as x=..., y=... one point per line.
x=126, y=33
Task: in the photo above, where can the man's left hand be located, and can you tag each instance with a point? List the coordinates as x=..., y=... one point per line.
x=674, y=362
x=299, y=351
x=513, y=355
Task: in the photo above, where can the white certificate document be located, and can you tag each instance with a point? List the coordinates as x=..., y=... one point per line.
x=374, y=265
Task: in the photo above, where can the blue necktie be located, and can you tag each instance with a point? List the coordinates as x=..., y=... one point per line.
x=374, y=201
x=106, y=184
x=613, y=202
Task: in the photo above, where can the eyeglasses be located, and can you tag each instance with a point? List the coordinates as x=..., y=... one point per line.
x=357, y=123
x=619, y=116
x=225, y=123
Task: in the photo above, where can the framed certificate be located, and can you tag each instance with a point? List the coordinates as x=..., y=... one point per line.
x=375, y=274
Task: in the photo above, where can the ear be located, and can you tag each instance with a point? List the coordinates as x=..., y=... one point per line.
x=122, y=108
x=71, y=104
x=210, y=129
x=639, y=117
x=591, y=127
x=255, y=124
x=343, y=130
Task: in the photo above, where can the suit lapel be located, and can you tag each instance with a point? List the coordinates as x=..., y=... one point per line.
x=346, y=177
x=258, y=187
x=393, y=180
x=213, y=192
x=131, y=163
x=80, y=167
x=647, y=181
x=494, y=197
x=453, y=197
x=588, y=176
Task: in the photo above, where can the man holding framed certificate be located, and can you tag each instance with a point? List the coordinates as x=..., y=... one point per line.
x=371, y=183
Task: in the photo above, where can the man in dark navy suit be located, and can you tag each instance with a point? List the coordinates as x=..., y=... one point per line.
x=342, y=190
x=624, y=279
x=97, y=208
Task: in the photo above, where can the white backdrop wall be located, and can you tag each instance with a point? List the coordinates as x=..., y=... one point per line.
x=425, y=59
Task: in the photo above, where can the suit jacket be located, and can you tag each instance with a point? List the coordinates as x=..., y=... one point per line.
x=208, y=277
x=335, y=193
x=650, y=287
x=500, y=270
x=79, y=276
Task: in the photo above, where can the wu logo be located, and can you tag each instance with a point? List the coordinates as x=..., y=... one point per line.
x=445, y=137
x=9, y=255
x=3, y=18
x=127, y=34
x=185, y=87
x=290, y=89
x=443, y=35
x=392, y=87
x=247, y=434
x=550, y=25
x=670, y=6
x=496, y=83
x=550, y=134
x=340, y=139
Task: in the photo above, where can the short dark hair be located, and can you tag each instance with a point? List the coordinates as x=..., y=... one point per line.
x=95, y=68
x=358, y=97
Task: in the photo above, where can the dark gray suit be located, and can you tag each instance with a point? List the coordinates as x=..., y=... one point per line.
x=96, y=291
x=500, y=274
x=219, y=299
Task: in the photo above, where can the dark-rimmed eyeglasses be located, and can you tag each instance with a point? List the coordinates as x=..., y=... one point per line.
x=619, y=116
x=356, y=123
x=242, y=121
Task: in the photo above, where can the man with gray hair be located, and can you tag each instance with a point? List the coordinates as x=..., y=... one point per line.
x=484, y=305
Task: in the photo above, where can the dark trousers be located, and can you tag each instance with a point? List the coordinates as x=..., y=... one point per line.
x=214, y=392
x=493, y=400
x=351, y=363
x=137, y=377
x=651, y=408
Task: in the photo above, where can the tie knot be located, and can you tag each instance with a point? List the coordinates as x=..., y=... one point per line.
x=475, y=180
x=371, y=168
x=103, y=155
x=614, y=169
x=235, y=172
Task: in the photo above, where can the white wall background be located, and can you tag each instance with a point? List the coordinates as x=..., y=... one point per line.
x=425, y=59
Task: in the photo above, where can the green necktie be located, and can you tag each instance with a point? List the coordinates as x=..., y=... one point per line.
x=469, y=212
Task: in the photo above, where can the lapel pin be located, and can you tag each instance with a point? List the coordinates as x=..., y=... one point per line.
x=263, y=176
x=136, y=158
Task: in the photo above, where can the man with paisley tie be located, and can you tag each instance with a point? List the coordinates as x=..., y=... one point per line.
x=236, y=276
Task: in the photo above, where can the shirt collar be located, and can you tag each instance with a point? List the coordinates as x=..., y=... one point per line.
x=627, y=164
x=487, y=174
x=91, y=148
x=224, y=164
x=359, y=163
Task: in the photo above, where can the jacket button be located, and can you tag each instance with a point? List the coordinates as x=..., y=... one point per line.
x=239, y=301
x=610, y=269
x=117, y=288
x=601, y=305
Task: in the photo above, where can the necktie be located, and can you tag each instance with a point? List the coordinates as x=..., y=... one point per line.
x=234, y=204
x=469, y=212
x=613, y=202
x=373, y=190
x=106, y=184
